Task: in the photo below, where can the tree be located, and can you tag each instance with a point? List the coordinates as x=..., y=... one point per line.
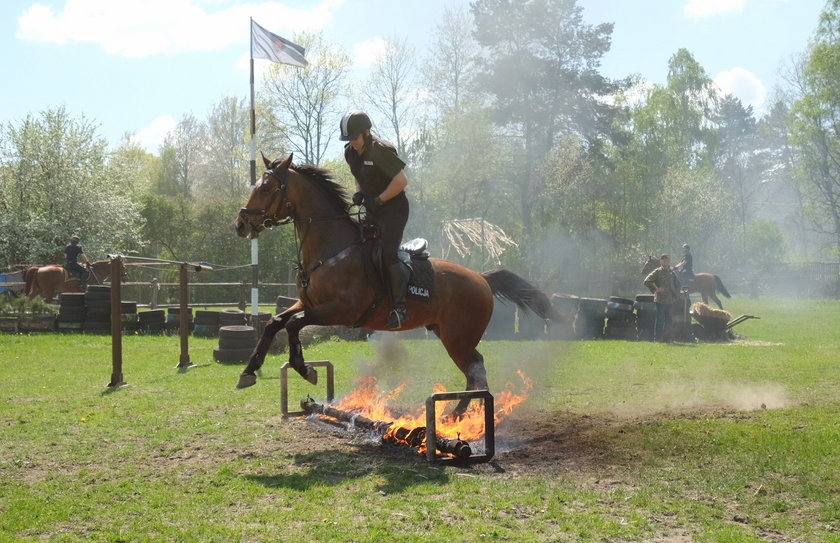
x=816, y=126
x=226, y=169
x=450, y=67
x=53, y=184
x=539, y=67
x=736, y=149
x=391, y=92
x=188, y=144
x=303, y=103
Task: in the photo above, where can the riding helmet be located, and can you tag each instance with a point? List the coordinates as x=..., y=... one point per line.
x=354, y=123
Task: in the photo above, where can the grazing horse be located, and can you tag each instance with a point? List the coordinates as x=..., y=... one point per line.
x=706, y=284
x=336, y=285
x=48, y=280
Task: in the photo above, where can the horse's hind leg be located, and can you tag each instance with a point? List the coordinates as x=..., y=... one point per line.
x=248, y=377
x=293, y=328
x=461, y=349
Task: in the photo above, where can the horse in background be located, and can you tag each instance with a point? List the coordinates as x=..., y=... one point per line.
x=706, y=284
x=46, y=281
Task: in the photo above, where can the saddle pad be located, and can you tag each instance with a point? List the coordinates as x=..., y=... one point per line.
x=422, y=282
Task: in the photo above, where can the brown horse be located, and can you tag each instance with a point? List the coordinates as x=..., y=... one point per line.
x=706, y=284
x=49, y=280
x=335, y=286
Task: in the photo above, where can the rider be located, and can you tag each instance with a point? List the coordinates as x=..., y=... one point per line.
x=380, y=183
x=74, y=250
x=686, y=265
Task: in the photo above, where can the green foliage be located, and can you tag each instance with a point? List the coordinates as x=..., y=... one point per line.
x=54, y=183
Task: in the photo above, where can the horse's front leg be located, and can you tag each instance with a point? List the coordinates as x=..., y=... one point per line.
x=248, y=377
x=293, y=328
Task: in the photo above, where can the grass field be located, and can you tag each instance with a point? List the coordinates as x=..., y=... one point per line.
x=618, y=441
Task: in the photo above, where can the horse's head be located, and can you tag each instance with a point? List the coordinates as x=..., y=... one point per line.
x=268, y=204
x=101, y=270
x=650, y=265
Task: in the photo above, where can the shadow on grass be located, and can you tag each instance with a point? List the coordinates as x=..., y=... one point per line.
x=400, y=469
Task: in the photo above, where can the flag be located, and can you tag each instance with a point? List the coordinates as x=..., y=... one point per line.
x=272, y=47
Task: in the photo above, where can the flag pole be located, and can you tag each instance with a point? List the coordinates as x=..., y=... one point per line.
x=255, y=247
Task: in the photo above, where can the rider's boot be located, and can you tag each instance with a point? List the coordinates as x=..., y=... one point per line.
x=398, y=274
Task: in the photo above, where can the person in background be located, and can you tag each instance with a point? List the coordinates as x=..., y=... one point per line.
x=686, y=266
x=665, y=286
x=73, y=251
x=380, y=183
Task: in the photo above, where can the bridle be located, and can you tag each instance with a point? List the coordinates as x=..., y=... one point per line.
x=260, y=219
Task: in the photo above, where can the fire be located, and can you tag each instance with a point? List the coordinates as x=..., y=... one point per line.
x=369, y=401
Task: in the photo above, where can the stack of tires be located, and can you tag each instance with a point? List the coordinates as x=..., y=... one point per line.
x=128, y=316
x=232, y=317
x=206, y=323
x=98, y=314
x=152, y=321
x=236, y=342
x=259, y=321
x=590, y=318
x=645, y=316
x=173, y=320
x=566, y=308
x=71, y=313
x=621, y=321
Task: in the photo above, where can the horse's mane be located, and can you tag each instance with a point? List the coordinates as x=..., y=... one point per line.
x=323, y=179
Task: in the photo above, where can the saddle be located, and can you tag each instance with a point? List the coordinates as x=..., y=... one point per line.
x=414, y=255
x=71, y=274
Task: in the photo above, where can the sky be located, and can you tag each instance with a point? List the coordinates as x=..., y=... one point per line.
x=136, y=67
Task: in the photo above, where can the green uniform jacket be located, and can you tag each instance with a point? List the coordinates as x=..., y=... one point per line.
x=663, y=278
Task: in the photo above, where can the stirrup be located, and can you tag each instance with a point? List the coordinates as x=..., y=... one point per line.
x=397, y=318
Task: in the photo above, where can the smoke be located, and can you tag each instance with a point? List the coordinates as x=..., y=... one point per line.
x=705, y=395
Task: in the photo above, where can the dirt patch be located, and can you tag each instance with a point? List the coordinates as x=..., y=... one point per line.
x=527, y=443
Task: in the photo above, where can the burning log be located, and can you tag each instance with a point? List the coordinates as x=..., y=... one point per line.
x=414, y=437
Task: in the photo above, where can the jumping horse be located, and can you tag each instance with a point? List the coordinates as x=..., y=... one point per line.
x=336, y=287
x=52, y=279
x=706, y=284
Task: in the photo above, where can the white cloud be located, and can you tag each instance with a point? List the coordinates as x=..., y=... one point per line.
x=366, y=53
x=151, y=137
x=710, y=8
x=140, y=29
x=745, y=85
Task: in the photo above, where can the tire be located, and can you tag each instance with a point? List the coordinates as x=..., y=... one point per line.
x=234, y=332
x=233, y=356
x=205, y=317
x=71, y=299
x=232, y=317
x=237, y=343
x=152, y=316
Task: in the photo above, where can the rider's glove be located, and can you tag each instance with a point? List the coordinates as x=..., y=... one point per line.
x=372, y=204
x=358, y=199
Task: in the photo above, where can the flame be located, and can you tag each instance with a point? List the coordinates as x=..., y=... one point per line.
x=369, y=401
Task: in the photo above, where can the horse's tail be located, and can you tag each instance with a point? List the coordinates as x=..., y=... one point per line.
x=29, y=279
x=506, y=285
x=721, y=288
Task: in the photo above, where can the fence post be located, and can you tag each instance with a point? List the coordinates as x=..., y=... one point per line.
x=116, y=322
x=155, y=286
x=242, y=291
x=184, y=319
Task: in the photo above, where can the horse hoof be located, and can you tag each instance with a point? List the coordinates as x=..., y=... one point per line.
x=246, y=380
x=311, y=375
